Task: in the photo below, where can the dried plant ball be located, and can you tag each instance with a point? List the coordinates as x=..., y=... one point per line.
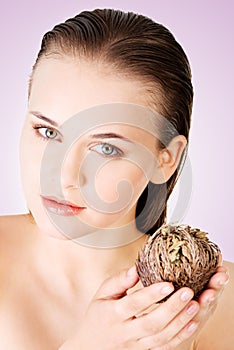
x=178, y=254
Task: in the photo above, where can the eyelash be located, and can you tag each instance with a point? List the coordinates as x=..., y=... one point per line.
x=119, y=152
x=37, y=127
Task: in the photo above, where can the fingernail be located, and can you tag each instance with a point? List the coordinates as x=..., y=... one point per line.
x=192, y=327
x=167, y=290
x=132, y=271
x=186, y=295
x=192, y=309
x=223, y=283
x=210, y=300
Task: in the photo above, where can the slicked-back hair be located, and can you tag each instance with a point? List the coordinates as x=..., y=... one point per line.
x=133, y=45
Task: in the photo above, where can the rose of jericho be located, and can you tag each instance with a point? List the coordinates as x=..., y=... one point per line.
x=178, y=254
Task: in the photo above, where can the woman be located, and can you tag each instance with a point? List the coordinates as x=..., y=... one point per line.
x=111, y=96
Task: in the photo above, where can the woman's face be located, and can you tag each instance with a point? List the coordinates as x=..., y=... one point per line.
x=86, y=170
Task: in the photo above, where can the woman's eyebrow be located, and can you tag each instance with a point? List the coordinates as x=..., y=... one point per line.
x=46, y=119
x=109, y=135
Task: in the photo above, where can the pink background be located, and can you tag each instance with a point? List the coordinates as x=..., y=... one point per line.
x=205, y=29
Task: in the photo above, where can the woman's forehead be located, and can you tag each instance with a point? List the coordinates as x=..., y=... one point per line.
x=62, y=88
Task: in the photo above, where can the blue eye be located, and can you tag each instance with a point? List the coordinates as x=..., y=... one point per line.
x=107, y=150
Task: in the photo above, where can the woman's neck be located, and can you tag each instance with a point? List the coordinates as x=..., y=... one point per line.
x=65, y=263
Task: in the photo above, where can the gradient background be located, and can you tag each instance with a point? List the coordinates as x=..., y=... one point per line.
x=205, y=29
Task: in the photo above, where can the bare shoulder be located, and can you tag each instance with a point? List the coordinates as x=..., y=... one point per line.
x=218, y=333
x=11, y=224
x=12, y=232
x=7, y=221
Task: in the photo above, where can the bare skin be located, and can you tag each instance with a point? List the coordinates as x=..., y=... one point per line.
x=42, y=305
x=56, y=294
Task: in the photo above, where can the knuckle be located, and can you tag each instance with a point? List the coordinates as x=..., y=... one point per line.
x=149, y=327
x=186, y=315
x=181, y=337
x=118, y=310
x=156, y=341
x=152, y=290
x=182, y=319
x=174, y=307
x=133, y=305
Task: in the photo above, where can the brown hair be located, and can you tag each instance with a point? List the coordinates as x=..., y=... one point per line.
x=134, y=45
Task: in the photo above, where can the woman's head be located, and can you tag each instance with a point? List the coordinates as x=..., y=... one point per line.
x=134, y=49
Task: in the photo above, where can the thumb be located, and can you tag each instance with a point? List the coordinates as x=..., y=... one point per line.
x=116, y=286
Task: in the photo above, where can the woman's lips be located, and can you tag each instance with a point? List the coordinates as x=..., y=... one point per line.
x=61, y=207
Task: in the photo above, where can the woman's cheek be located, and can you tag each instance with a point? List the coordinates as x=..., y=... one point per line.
x=30, y=161
x=120, y=180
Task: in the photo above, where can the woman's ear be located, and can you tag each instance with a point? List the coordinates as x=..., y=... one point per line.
x=168, y=160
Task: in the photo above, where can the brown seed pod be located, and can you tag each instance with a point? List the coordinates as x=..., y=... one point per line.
x=178, y=254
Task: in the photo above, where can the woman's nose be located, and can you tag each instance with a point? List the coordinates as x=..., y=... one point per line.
x=72, y=174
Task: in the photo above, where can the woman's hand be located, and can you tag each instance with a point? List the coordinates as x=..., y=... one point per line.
x=208, y=300
x=115, y=320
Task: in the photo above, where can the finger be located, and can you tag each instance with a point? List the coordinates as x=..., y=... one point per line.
x=173, y=331
x=134, y=304
x=181, y=337
x=214, y=290
x=207, y=301
x=222, y=269
x=207, y=297
x=219, y=279
x=116, y=286
x=156, y=320
x=220, y=263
